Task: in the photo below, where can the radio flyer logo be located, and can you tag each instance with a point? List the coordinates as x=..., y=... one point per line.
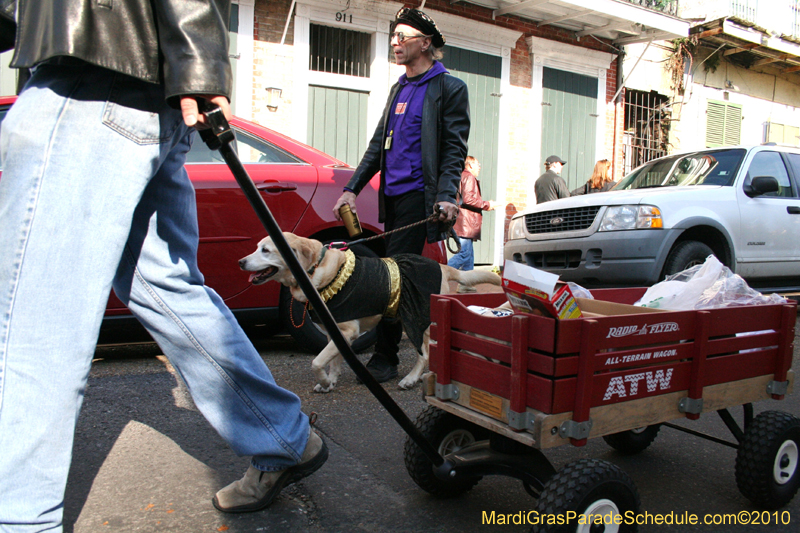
x=627, y=331
x=624, y=386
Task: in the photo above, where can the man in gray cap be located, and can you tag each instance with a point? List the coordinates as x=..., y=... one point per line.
x=550, y=185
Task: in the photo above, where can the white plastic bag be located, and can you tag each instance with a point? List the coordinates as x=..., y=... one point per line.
x=579, y=292
x=683, y=290
x=707, y=286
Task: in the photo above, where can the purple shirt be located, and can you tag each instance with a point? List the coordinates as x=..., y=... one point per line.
x=403, y=170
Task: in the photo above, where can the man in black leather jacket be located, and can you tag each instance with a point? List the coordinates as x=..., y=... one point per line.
x=419, y=149
x=94, y=195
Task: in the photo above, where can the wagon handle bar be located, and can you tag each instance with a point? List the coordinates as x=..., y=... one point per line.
x=218, y=137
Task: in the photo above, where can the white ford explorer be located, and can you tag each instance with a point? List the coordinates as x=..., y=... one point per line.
x=740, y=203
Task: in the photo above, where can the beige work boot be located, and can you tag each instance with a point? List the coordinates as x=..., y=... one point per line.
x=257, y=489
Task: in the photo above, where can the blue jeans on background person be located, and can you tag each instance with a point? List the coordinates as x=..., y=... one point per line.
x=94, y=194
x=465, y=259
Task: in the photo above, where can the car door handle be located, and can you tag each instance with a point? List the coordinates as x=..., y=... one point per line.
x=276, y=186
x=793, y=210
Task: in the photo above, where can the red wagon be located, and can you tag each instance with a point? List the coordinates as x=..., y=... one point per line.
x=509, y=387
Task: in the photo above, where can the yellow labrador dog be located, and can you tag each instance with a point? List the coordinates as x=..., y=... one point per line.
x=360, y=291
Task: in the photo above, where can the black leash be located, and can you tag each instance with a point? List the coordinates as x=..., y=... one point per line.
x=218, y=137
x=451, y=234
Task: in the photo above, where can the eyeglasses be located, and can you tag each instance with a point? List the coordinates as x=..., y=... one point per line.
x=402, y=37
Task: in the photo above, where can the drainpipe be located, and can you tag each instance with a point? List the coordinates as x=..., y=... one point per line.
x=615, y=101
x=288, y=20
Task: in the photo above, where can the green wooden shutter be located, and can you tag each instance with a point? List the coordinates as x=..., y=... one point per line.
x=337, y=122
x=569, y=124
x=481, y=72
x=723, y=124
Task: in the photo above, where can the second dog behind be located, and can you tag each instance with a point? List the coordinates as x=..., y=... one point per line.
x=360, y=291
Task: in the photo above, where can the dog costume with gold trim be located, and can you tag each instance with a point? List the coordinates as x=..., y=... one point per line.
x=395, y=287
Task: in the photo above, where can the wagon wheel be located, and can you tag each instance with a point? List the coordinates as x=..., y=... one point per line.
x=633, y=441
x=589, y=487
x=448, y=433
x=767, y=470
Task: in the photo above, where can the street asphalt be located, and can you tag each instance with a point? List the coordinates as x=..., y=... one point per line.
x=145, y=460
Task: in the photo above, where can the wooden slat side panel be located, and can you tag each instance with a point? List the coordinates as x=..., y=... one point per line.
x=733, y=320
x=643, y=356
x=613, y=387
x=477, y=345
x=492, y=378
x=730, y=345
x=741, y=366
x=463, y=319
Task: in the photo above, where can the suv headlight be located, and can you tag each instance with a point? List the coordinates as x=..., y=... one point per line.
x=622, y=217
x=516, y=228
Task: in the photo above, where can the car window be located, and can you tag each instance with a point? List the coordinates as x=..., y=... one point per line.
x=249, y=148
x=700, y=168
x=770, y=164
x=794, y=162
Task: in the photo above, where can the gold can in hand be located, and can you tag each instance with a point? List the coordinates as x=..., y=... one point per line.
x=350, y=220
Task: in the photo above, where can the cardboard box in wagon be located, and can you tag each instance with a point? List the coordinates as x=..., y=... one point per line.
x=530, y=290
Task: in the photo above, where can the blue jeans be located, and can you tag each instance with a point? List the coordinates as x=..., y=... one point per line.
x=465, y=259
x=94, y=194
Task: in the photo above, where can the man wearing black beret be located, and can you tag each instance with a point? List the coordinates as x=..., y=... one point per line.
x=419, y=149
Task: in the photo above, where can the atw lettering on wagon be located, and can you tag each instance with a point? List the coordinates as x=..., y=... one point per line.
x=624, y=386
x=626, y=331
x=645, y=356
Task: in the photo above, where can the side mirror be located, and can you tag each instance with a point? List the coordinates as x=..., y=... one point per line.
x=761, y=185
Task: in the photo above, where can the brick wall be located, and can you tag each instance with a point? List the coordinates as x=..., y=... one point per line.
x=270, y=19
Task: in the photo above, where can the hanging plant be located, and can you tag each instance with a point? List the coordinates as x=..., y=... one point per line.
x=682, y=55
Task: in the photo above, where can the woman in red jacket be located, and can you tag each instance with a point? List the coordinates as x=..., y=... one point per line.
x=470, y=217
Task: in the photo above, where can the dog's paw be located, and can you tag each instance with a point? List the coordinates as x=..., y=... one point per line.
x=407, y=383
x=320, y=388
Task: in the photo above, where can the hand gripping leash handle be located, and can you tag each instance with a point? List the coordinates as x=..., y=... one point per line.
x=218, y=137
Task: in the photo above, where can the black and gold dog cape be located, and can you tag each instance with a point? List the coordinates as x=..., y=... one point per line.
x=395, y=287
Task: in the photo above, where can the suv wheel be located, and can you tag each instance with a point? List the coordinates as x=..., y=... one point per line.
x=686, y=254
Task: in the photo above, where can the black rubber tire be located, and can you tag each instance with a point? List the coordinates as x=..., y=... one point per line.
x=633, y=441
x=684, y=255
x=310, y=337
x=581, y=487
x=448, y=433
x=773, y=437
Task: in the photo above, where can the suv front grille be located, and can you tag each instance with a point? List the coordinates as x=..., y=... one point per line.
x=563, y=259
x=558, y=220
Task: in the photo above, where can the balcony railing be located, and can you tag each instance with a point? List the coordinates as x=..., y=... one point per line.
x=781, y=16
x=666, y=6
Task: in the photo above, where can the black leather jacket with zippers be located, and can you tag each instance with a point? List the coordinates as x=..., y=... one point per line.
x=182, y=44
x=445, y=130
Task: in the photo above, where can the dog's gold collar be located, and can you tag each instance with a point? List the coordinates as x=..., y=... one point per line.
x=330, y=290
x=394, y=286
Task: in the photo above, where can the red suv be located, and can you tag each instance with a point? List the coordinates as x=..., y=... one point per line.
x=300, y=185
